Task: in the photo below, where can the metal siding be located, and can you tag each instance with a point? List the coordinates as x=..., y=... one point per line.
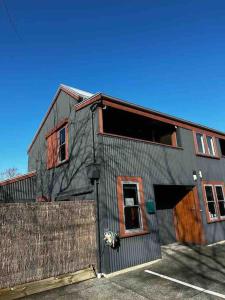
x=156, y=165
x=20, y=191
x=71, y=175
x=166, y=227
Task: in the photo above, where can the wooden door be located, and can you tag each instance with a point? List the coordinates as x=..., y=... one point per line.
x=187, y=218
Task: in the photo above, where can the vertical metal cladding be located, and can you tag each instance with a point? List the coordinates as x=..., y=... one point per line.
x=121, y=158
x=167, y=233
x=156, y=164
x=19, y=191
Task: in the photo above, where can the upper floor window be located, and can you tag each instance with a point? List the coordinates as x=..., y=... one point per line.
x=132, y=218
x=222, y=146
x=139, y=126
x=215, y=201
x=210, y=145
x=200, y=143
x=57, y=145
x=62, y=144
x=205, y=144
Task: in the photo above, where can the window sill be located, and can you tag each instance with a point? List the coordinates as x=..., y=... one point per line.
x=139, y=140
x=62, y=163
x=132, y=234
x=208, y=156
x=59, y=164
x=216, y=220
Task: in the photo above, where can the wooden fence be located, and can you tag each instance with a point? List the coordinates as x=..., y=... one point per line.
x=40, y=240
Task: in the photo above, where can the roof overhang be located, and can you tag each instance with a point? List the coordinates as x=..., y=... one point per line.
x=140, y=110
x=18, y=178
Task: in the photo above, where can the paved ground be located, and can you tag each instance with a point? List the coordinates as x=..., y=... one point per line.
x=201, y=266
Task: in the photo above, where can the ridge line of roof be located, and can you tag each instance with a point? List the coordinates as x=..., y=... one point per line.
x=60, y=88
x=83, y=93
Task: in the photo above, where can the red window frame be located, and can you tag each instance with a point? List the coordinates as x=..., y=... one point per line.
x=213, y=184
x=205, y=144
x=144, y=227
x=52, y=139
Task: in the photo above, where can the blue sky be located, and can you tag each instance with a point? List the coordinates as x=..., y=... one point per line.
x=166, y=55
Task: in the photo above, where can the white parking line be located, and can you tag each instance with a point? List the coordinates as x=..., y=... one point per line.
x=187, y=284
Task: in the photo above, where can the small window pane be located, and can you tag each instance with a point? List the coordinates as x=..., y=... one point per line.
x=211, y=202
x=62, y=153
x=200, y=143
x=130, y=192
x=212, y=210
x=219, y=193
x=210, y=145
x=62, y=136
x=222, y=208
x=221, y=202
x=132, y=217
x=209, y=193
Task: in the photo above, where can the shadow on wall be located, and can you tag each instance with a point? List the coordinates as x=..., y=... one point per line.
x=60, y=180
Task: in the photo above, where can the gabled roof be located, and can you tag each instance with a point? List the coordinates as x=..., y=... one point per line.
x=86, y=98
x=83, y=94
x=77, y=94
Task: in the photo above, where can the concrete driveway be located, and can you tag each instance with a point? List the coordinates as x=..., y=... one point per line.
x=200, y=266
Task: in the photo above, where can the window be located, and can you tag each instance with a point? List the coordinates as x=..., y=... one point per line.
x=62, y=144
x=214, y=195
x=127, y=124
x=200, y=143
x=221, y=200
x=222, y=146
x=210, y=144
x=132, y=216
x=211, y=202
x=205, y=144
x=57, y=145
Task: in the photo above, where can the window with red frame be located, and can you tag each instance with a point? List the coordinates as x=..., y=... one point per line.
x=222, y=146
x=57, y=147
x=215, y=201
x=132, y=216
x=205, y=144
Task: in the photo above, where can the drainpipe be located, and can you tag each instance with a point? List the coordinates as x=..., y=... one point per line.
x=95, y=178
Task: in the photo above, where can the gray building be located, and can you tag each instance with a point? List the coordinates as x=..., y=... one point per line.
x=156, y=179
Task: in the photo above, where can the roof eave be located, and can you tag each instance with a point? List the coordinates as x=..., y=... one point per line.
x=127, y=103
x=61, y=88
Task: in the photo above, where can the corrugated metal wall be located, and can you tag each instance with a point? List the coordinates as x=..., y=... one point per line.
x=122, y=157
x=166, y=227
x=156, y=164
x=71, y=176
x=19, y=191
